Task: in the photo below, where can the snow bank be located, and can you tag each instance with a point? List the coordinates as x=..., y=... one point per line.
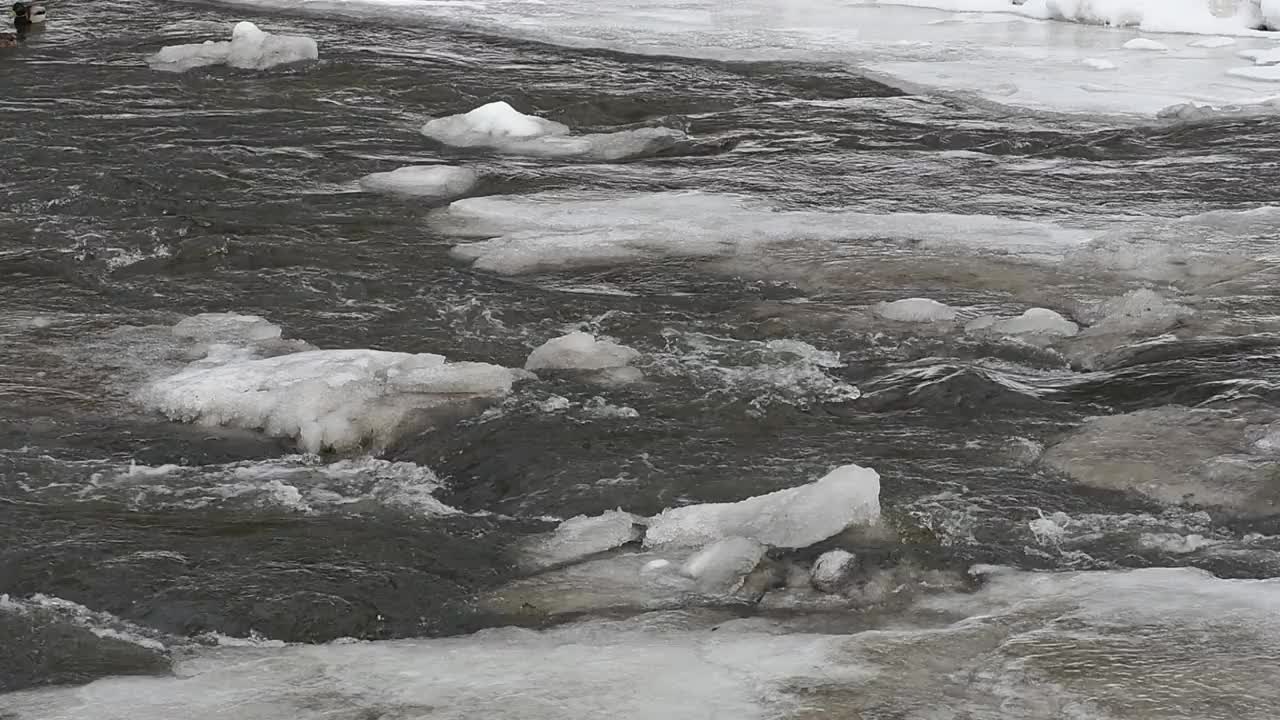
x=915, y=310
x=439, y=181
x=580, y=351
x=557, y=231
x=503, y=128
x=249, y=48
x=336, y=399
x=793, y=518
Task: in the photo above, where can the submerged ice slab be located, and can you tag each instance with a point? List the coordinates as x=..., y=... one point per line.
x=792, y=518
x=556, y=231
x=505, y=129
x=249, y=48
x=438, y=181
x=583, y=536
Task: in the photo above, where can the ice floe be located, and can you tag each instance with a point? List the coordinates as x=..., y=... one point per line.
x=583, y=536
x=324, y=399
x=580, y=351
x=1035, y=321
x=916, y=310
x=500, y=127
x=249, y=48
x=1145, y=44
x=433, y=181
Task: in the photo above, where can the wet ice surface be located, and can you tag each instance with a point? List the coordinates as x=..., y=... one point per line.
x=1053, y=338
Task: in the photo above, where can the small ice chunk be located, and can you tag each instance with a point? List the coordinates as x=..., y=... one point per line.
x=915, y=310
x=722, y=565
x=1137, y=311
x=249, y=48
x=580, y=351
x=1144, y=44
x=793, y=518
x=490, y=124
x=1216, y=41
x=254, y=49
x=440, y=181
x=1036, y=321
x=584, y=535
x=833, y=570
x=1098, y=64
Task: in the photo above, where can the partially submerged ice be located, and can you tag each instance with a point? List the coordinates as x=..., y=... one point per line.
x=915, y=310
x=580, y=351
x=1040, y=322
x=1176, y=455
x=792, y=518
x=583, y=536
x=250, y=48
x=500, y=127
x=338, y=399
x=432, y=181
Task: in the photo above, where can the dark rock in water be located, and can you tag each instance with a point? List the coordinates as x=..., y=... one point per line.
x=45, y=651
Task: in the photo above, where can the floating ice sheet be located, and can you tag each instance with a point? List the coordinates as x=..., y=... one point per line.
x=249, y=48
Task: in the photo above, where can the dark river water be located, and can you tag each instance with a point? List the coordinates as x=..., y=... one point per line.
x=134, y=198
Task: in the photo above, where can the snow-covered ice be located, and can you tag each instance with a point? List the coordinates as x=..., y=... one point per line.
x=580, y=351
x=436, y=181
x=1035, y=321
x=915, y=310
x=1265, y=73
x=249, y=48
x=1098, y=64
x=501, y=127
x=338, y=399
x=792, y=518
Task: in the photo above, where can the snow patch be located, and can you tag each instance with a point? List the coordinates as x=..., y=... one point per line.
x=1145, y=44
x=1098, y=64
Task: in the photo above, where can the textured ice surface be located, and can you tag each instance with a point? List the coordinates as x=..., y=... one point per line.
x=582, y=536
x=832, y=570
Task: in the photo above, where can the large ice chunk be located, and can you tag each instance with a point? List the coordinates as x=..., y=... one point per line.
x=792, y=518
x=580, y=351
x=438, y=181
x=501, y=127
x=336, y=399
x=249, y=48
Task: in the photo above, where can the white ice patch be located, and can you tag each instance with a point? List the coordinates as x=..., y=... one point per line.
x=339, y=399
x=1098, y=64
x=916, y=310
x=561, y=231
x=1145, y=44
x=1217, y=41
x=250, y=48
x=1036, y=321
x=434, y=181
x=505, y=129
x=1265, y=73
x=792, y=518
x=580, y=351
